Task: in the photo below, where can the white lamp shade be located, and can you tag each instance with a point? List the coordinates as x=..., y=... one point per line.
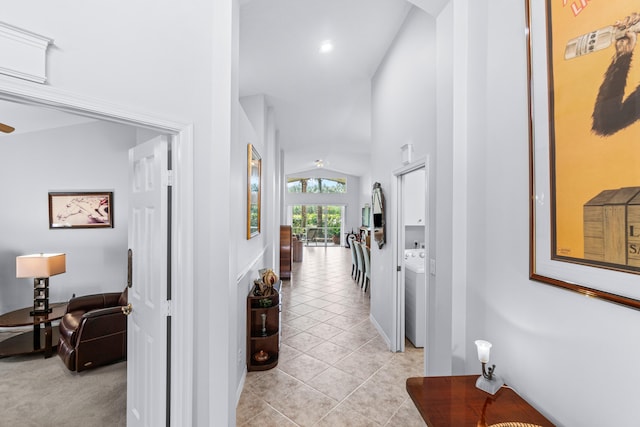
x=484, y=349
x=40, y=265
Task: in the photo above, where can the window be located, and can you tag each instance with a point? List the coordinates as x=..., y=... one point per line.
x=317, y=185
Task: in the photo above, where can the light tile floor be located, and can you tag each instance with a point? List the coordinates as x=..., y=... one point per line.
x=334, y=368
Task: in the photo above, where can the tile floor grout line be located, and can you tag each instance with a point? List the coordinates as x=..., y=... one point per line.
x=364, y=382
x=307, y=284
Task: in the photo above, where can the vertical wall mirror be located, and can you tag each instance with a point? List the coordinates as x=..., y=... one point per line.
x=254, y=175
x=378, y=214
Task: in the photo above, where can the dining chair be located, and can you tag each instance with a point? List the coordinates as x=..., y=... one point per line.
x=366, y=254
x=354, y=259
x=360, y=262
x=312, y=236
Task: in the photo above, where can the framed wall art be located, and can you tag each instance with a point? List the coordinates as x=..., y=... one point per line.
x=584, y=136
x=81, y=210
x=254, y=183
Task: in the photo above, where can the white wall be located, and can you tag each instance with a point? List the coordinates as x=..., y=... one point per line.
x=176, y=60
x=573, y=357
x=366, y=188
x=254, y=127
x=262, y=133
x=403, y=111
x=86, y=157
x=248, y=249
x=448, y=310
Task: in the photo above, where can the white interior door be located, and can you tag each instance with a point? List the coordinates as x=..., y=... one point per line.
x=147, y=324
x=400, y=275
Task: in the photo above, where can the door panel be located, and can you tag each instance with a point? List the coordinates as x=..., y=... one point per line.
x=147, y=332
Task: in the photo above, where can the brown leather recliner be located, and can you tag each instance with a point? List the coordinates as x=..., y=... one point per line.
x=93, y=332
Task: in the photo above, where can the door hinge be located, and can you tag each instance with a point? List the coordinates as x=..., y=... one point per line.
x=167, y=308
x=129, y=268
x=169, y=178
x=399, y=268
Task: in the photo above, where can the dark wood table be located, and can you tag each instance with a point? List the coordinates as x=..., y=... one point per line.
x=456, y=402
x=43, y=338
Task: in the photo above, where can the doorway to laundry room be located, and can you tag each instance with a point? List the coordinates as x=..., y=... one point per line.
x=413, y=257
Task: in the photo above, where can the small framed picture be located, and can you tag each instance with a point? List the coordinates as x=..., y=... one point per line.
x=81, y=210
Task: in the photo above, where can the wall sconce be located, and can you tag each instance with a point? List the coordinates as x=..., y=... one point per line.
x=40, y=267
x=407, y=153
x=488, y=381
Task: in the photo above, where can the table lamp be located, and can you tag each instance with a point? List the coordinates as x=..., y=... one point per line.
x=488, y=381
x=40, y=267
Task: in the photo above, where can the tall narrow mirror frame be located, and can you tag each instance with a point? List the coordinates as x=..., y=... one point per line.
x=378, y=215
x=254, y=184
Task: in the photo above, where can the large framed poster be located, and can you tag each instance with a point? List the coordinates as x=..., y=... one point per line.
x=585, y=133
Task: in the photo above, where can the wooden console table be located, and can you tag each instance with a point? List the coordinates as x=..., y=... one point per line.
x=40, y=339
x=456, y=402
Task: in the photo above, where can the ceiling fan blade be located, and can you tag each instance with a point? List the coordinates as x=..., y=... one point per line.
x=6, y=128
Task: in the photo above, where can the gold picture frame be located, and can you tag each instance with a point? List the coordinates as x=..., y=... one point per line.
x=254, y=190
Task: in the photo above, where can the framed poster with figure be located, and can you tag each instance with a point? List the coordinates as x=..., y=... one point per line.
x=584, y=131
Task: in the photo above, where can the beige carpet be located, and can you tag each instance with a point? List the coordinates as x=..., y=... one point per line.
x=41, y=392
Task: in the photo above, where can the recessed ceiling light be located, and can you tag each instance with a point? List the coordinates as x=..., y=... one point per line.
x=326, y=46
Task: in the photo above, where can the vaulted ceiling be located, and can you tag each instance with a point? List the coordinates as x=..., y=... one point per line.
x=321, y=101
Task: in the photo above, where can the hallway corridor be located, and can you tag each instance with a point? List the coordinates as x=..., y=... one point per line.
x=334, y=368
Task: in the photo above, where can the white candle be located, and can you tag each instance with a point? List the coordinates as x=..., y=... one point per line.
x=484, y=349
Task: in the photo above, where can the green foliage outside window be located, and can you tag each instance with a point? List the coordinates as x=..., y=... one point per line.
x=317, y=217
x=317, y=185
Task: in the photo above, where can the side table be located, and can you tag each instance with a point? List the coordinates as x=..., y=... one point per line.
x=40, y=339
x=455, y=401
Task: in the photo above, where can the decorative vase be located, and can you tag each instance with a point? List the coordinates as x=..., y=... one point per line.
x=264, y=324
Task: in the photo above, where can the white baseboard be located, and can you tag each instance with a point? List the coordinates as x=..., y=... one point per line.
x=380, y=331
x=243, y=377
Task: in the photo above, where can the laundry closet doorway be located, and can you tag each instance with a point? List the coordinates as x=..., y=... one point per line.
x=412, y=255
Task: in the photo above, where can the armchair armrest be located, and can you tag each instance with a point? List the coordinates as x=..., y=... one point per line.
x=102, y=312
x=101, y=323
x=91, y=302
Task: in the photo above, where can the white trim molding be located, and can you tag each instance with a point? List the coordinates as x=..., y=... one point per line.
x=24, y=54
x=250, y=266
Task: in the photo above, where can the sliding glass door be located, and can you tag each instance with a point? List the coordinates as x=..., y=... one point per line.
x=317, y=225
